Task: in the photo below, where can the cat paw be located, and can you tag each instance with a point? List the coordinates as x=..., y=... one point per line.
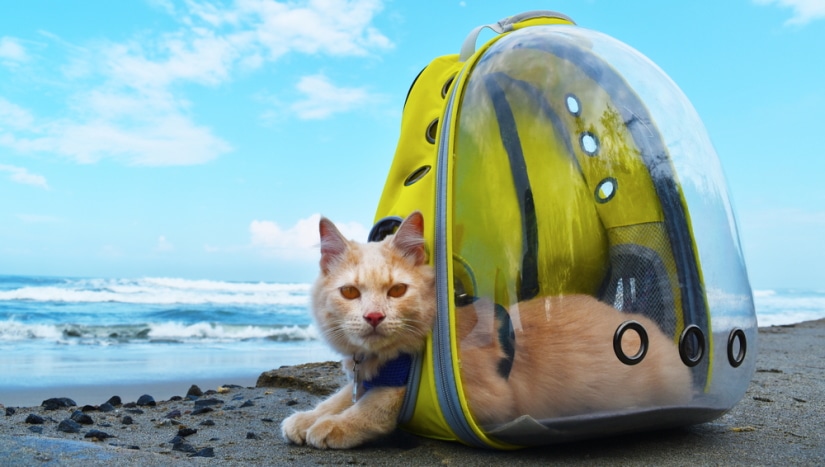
x=333, y=433
x=294, y=428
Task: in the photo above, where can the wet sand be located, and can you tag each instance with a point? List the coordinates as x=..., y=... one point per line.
x=780, y=420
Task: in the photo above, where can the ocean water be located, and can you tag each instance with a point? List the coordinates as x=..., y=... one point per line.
x=71, y=332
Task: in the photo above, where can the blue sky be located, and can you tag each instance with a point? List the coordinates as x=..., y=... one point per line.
x=201, y=139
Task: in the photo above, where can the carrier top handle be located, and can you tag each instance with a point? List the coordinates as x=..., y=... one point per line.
x=511, y=23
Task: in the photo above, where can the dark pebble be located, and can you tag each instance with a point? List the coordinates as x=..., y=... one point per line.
x=202, y=410
x=129, y=405
x=268, y=420
x=207, y=402
x=176, y=398
x=82, y=418
x=126, y=420
x=90, y=408
x=97, y=434
x=248, y=403
x=205, y=452
x=208, y=423
x=36, y=429
x=183, y=447
x=135, y=411
x=10, y=411
x=292, y=402
x=173, y=414
x=58, y=403
x=210, y=392
x=146, y=400
x=250, y=435
x=107, y=407
x=35, y=419
x=194, y=390
x=184, y=432
x=68, y=426
x=115, y=401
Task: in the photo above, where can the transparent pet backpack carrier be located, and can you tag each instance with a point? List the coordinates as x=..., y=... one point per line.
x=555, y=161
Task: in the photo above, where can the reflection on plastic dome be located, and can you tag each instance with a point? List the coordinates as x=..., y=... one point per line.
x=586, y=195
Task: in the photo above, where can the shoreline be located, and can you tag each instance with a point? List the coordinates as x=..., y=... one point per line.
x=779, y=420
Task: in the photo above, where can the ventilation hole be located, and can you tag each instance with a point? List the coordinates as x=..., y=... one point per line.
x=417, y=175
x=589, y=144
x=738, y=345
x=432, y=130
x=446, y=86
x=692, y=345
x=619, y=336
x=606, y=189
x=384, y=227
x=573, y=105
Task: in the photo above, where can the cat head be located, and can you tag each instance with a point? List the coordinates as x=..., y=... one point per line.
x=375, y=298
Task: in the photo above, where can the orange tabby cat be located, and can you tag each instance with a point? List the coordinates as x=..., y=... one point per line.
x=376, y=301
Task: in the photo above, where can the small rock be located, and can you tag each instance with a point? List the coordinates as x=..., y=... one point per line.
x=194, y=390
x=268, y=420
x=107, y=407
x=202, y=410
x=208, y=423
x=97, y=435
x=36, y=429
x=176, y=398
x=82, y=418
x=146, y=400
x=251, y=435
x=35, y=419
x=126, y=420
x=68, y=426
x=205, y=452
x=90, y=408
x=292, y=402
x=182, y=446
x=134, y=411
x=10, y=411
x=173, y=414
x=248, y=403
x=58, y=403
x=184, y=432
x=115, y=401
x=207, y=402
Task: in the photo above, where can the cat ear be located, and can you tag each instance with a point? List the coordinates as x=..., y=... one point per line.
x=333, y=244
x=409, y=238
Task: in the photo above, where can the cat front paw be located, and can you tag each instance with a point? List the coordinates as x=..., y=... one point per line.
x=294, y=428
x=334, y=432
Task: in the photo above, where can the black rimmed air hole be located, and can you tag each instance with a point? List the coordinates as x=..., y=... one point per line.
x=617, y=342
x=417, y=175
x=589, y=143
x=606, y=189
x=432, y=131
x=384, y=227
x=692, y=345
x=446, y=87
x=737, y=347
x=573, y=105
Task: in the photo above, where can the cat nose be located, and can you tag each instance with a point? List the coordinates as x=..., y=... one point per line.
x=374, y=318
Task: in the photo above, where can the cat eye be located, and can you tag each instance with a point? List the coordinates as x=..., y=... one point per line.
x=397, y=290
x=349, y=292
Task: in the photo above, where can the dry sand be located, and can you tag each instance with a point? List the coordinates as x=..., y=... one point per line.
x=780, y=420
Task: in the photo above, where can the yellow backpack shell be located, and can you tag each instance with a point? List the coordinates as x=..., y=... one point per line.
x=555, y=160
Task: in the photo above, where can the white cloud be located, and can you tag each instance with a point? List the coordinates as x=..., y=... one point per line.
x=22, y=175
x=322, y=98
x=300, y=241
x=11, y=51
x=128, y=101
x=804, y=11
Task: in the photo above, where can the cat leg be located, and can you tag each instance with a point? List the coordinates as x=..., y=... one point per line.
x=294, y=428
x=373, y=416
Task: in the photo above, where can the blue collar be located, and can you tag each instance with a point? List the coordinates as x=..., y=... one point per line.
x=394, y=373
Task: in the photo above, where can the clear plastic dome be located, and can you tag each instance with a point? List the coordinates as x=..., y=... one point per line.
x=584, y=182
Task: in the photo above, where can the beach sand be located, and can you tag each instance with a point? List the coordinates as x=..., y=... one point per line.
x=780, y=420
